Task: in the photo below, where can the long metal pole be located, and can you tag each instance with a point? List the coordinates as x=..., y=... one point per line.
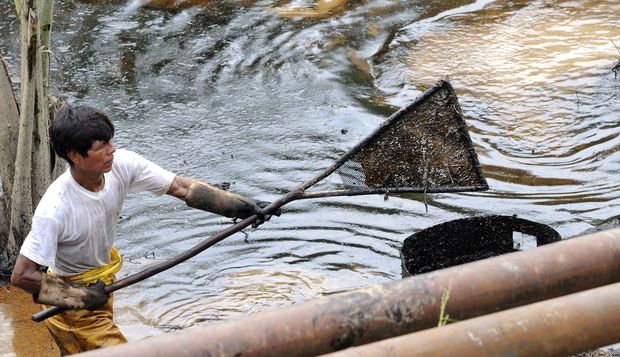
x=382, y=311
x=557, y=327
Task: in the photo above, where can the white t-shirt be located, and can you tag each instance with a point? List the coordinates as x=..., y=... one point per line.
x=73, y=229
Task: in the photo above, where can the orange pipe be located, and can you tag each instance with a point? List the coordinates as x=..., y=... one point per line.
x=557, y=327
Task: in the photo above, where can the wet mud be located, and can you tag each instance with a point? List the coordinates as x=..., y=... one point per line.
x=20, y=335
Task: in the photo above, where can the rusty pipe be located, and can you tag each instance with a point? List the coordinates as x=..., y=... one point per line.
x=556, y=327
x=387, y=310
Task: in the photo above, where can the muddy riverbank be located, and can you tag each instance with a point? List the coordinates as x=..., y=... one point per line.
x=20, y=335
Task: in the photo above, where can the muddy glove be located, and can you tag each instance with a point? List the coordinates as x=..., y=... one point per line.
x=209, y=198
x=260, y=220
x=56, y=291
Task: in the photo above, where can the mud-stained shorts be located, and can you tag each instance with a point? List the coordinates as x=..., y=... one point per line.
x=78, y=331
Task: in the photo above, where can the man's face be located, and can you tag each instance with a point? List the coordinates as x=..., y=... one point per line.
x=99, y=158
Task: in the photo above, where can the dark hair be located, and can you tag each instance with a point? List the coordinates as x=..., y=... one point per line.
x=76, y=128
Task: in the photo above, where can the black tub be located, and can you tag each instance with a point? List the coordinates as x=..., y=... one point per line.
x=467, y=240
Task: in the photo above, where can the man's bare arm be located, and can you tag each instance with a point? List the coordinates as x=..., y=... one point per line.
x=180, y=186
x=26, y=275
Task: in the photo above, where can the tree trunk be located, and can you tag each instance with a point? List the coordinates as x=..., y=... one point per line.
x=9, y=121
x=5, y=250
x=26, y=168
x=41, y=153
x=21, y=197
x=46, y=12
x=41, y=166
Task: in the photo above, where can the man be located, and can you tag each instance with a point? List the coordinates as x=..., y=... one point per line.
x=74, y=226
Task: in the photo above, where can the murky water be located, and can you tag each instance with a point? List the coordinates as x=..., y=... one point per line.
x=232, y=92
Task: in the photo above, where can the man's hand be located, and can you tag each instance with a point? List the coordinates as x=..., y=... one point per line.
x=56, y=291
x=262, y=218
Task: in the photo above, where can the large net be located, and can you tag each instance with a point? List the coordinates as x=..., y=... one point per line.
x=425, y=147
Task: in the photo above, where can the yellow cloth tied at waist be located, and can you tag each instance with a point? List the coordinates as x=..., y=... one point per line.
x=82, y=330
x=105, y=273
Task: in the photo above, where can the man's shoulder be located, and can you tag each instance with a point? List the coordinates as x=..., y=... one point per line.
x=124, y=160
x=52, y=202
x=59, y=186
x=127, y=164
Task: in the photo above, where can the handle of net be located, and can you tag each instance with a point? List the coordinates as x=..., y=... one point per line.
x=167, y=264
x=47, y=313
